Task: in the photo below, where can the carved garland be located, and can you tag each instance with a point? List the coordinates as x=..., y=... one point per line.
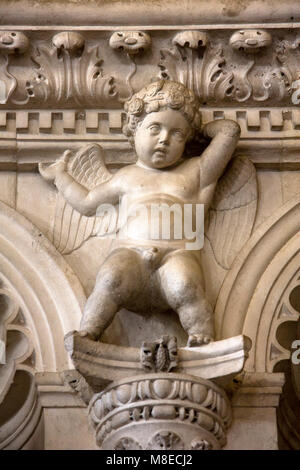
x=173, y=399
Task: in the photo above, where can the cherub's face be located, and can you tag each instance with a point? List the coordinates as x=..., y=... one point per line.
x=160, y=138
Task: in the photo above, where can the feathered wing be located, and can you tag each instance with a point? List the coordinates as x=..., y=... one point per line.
x=71, y=229
x=230, y=221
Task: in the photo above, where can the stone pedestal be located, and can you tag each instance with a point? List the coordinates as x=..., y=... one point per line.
x=161, y=411
x=254, y=407
x=134, y=404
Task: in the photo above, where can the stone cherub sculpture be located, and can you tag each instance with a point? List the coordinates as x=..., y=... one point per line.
x=140, y=273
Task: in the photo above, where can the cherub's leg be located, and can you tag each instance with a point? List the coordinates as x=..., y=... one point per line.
x=119, y=278
x=181, y=284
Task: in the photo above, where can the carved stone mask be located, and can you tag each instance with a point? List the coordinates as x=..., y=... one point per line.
x=192, y=39
x=131, y=42
x=13, y=42
x=251, y=40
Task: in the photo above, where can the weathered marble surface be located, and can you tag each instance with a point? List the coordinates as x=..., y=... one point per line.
x=43, y=290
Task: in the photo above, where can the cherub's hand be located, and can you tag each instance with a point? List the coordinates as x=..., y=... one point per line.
x=224, y=126
x=50, y=172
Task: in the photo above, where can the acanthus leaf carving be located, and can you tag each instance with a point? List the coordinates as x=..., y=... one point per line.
x=248, y=69
x=12, y=43
x=198, y=64
x=70, y=72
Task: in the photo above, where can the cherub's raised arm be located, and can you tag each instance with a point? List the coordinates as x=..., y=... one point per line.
x=225, y=135
x=78, y=196
x=83, y=200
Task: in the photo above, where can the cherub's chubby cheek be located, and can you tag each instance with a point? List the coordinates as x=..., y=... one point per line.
x=159, y=159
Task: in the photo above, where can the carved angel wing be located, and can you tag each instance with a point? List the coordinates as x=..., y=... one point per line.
x=230, y=219
x=71, y=228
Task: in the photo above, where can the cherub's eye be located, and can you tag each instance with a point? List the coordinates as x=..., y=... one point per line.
x=154, y=129
x=178, y=134
x=120, y=35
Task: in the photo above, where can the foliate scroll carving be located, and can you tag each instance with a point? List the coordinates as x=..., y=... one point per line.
x=253, y=78
x=69, y=72
x=132, y=43
x=251, y=67
x=198, y=64
x=160, y=355
x=248, y=66
x=12, y=43
x=288, y=57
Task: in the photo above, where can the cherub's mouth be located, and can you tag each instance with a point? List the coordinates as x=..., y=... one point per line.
x=160, y=150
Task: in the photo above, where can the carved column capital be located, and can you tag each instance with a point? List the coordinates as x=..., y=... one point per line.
x=161, y=411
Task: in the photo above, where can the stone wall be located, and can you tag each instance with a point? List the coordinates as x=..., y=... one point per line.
x=66, y=69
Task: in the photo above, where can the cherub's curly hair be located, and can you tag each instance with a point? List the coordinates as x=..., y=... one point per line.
x=158, y=96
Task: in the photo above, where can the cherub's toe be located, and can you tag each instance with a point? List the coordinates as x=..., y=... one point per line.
x=195, y=340
x=207, y=339
x=87, y=334
x=198, y=340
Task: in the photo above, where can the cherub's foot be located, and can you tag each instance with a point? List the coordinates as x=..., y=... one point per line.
x=87, y=334
x=198, y=340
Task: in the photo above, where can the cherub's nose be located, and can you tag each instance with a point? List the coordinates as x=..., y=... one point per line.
x=164, y=137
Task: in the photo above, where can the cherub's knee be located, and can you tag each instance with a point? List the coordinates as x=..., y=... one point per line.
x=110, y=278
x=184, y=290
x=120, y=273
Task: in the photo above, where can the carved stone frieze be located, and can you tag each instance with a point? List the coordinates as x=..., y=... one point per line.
x=12, y=43
x=69, y=71
x=132, y=43
x=71, y=68
x=178, y=412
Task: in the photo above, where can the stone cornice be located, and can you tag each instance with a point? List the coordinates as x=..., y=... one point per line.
x=159, y=12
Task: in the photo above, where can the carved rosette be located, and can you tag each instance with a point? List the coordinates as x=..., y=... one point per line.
x=164, y=411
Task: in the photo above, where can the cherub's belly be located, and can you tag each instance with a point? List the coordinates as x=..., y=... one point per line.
x=154, y=218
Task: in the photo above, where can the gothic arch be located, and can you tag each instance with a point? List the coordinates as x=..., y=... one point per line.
x=44, y=285
x=40, y=301
x=253, y=295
